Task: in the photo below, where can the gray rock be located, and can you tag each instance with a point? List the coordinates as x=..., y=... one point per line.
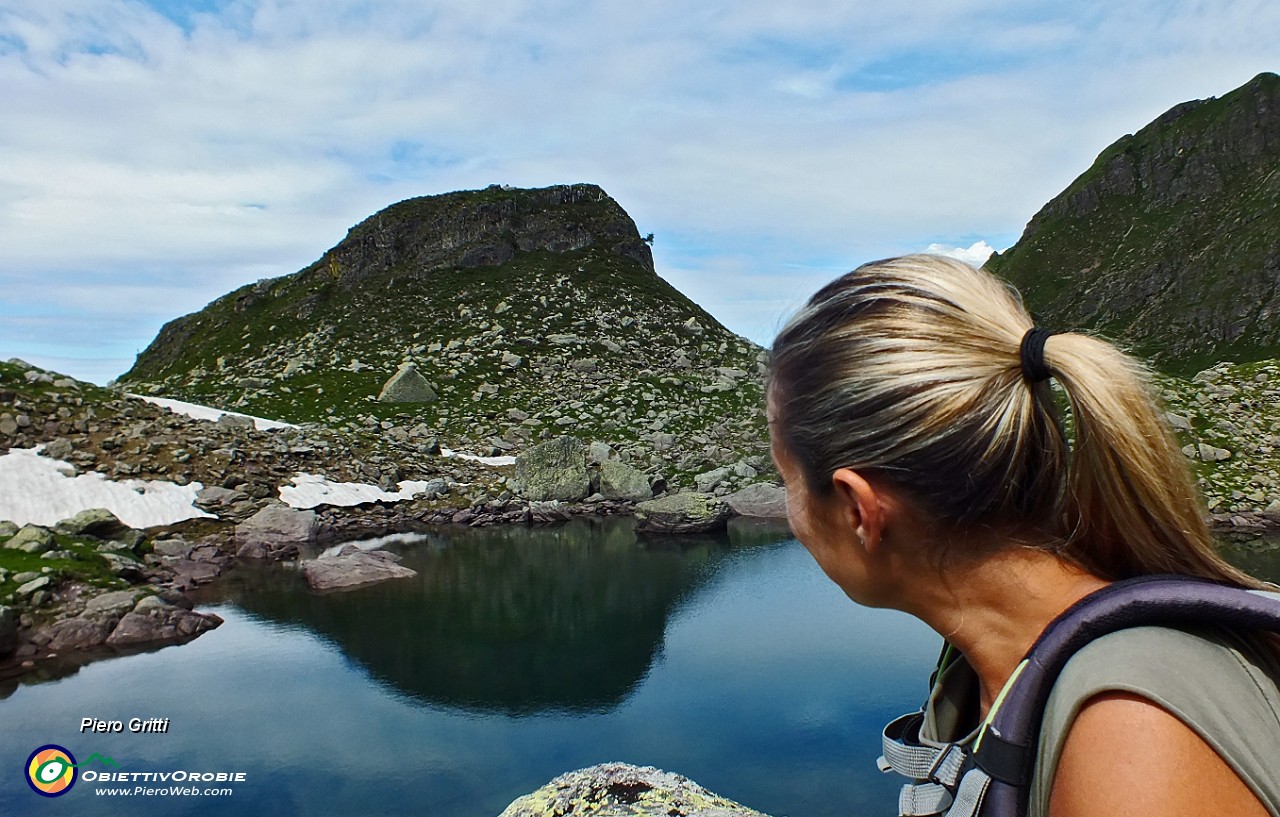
x=1178, y=422
x=620, y=481
x=32, y=539
x=108, y=605
x=7, y=528
x=33, y=586
x=178, y=548
x=663, y=441
x=59, y=449
x=352, y=569
x=213, y=498
x=1208, y=453
x=275, y=532
x=407, y=386
x=511, y=361
x=124, y=567
x=598, y=452
x=557, y=470
x=763, y=499
x=97, y=522
x=235, y=422
x=160, y=623
x=682, y=513
x=707, y=481
x=622, y=790
x=79, y=633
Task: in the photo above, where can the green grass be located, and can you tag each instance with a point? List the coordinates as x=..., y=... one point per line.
x=88, y=565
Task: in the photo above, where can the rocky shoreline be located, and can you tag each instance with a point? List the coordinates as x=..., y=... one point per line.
x=245, y=473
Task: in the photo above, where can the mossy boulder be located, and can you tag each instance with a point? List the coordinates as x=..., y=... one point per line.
x=555, y=470
x=622, y=790
x=682, y=513
x=620, y=481
x=32, y=539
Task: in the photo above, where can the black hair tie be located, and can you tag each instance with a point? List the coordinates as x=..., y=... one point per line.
x=1032, y=353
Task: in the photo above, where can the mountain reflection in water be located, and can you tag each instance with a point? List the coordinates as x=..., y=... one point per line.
x=510, y=620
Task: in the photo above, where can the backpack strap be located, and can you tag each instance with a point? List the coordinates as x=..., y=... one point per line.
x=1007, y=743
x=992, y=777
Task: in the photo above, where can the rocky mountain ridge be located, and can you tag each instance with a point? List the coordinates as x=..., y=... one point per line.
x=528, y=313
x=1170, y=241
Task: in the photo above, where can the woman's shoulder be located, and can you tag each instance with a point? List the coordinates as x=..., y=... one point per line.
x=1224, y=687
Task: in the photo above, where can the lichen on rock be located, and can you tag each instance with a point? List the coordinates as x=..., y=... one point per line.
x=623, y=790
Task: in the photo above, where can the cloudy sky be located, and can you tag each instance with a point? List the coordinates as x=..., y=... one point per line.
x=155, y=154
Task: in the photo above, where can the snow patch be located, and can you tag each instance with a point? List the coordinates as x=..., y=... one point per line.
x=37, y=490
x=311, y=490
x=445, y=452
x=209, y=413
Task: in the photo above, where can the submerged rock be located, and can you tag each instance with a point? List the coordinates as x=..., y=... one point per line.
x=682, y=513
x=622, y=790
x=352, y=568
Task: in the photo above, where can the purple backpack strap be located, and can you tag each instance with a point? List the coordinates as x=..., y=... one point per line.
x=1007, y=747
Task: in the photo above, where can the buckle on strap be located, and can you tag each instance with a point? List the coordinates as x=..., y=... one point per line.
x=923, y=800
x=906, y=755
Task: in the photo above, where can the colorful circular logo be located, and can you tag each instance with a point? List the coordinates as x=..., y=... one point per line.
x=51, y=771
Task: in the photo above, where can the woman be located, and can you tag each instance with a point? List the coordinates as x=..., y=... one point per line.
x=913, y=423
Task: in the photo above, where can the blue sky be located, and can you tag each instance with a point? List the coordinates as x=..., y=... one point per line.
x=159, y=154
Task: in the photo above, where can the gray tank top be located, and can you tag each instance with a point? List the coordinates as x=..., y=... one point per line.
x=1219, y=685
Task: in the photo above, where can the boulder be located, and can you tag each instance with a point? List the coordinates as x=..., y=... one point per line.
x=354, y=568
x=33, y=586
x=59, y=449
x=32, y=539
x=599, y=452
x=555, y=470
x=111, y=605
x=706, y=482
x=78, y=633
x=276, y=532
x=407, y=385
x=682, y=513
x=622, y=790
x=154, y=620
x=620, y=481
x=97, y=522
x=763, y=499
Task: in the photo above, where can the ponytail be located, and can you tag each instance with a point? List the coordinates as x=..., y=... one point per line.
x=914, y=368
x=1133, y=505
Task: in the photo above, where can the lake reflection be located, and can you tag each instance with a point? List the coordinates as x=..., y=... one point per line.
x=505, y=619
x=514, y=656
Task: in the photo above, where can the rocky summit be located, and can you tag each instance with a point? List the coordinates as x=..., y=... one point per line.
x=1170, y=241
x=490, y=320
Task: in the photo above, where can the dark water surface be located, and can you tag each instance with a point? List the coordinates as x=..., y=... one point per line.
x=514, y=656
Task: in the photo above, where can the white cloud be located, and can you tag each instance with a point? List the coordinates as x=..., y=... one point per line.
x=975, y=254
x=242, y=144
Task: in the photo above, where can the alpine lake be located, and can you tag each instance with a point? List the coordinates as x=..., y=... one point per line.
x=515, y=655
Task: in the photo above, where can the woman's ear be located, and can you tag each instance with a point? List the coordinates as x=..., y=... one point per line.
x=861, y=507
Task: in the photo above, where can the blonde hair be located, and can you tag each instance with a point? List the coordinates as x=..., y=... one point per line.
x=910, y=369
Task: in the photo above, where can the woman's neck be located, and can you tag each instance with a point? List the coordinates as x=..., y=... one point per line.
x=995, y=608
